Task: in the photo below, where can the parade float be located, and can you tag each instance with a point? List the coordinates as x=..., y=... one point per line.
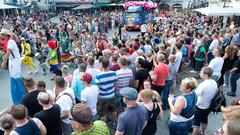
x=138, y=12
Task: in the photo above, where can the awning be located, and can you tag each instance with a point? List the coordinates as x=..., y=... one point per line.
x=5, y=6
x=86, y=6
x=101, y=5
x=16, y=5
x=219, y=11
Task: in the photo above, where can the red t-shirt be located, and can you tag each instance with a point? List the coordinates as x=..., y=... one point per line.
x=162, y=72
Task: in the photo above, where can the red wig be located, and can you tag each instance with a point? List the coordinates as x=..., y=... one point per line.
x=52, y=44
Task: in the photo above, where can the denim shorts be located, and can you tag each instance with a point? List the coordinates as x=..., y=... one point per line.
x=201, y=116
x=179, y=128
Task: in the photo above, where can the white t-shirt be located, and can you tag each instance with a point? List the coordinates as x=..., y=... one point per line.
x=196, y=43
x=93, y=72
x=205, y=93
x=214, y=45
x=65, y=102
x=148, y=48
x=216, y=64
x=178, y=60
x=143, y=28
x=90, y=96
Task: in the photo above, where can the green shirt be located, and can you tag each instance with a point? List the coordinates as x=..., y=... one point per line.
x=201, y=51
x=98, y=128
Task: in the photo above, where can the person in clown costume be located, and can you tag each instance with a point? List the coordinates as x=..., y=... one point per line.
x=27, y=53
x=52, y=56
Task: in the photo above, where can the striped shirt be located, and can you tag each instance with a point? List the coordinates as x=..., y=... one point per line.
x=124, y=76
x=105, y=81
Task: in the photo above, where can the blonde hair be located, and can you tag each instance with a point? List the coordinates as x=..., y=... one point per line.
x=233, y=126
x=231, y=112
x=147, y=93
x=190, y=83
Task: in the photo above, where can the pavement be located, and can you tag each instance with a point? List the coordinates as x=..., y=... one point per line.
x=215, y=120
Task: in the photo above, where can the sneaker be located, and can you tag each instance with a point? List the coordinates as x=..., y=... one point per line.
x=192, y=71
x=29, y=73
x=35, y=72
x=225, y=85
x=231, y=94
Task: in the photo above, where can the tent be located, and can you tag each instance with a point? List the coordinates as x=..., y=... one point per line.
x=219, y=11
x=85, y=6
x=5, y=6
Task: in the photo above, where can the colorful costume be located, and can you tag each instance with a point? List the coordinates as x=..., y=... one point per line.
x=53, y=57
x=26, y=50
x=65, y=53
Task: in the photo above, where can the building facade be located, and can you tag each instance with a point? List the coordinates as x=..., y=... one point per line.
x=183, y=4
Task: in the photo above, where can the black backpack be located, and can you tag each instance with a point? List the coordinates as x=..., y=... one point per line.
x=217, y=101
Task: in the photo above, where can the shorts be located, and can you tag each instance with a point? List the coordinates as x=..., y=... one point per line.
x=185, y=60
x=199, y=65
x=201, y=116
x=119, y=102
x=105, y=106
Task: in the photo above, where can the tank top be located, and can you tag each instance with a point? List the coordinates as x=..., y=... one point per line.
x=189, y=102
x=30, y=128
x=151, y=126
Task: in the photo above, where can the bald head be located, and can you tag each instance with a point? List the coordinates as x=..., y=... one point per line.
x=44, y=98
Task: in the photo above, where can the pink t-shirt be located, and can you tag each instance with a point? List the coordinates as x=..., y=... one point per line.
x=69, y=78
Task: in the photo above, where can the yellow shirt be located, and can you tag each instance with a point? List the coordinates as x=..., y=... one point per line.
x=26, y=48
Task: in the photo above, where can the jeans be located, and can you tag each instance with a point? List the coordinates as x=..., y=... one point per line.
x=159, y=89
x=179, y=128
x=66, y=128
x=233, y=81
x=165, y=93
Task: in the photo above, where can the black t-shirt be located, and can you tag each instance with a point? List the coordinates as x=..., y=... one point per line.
x=237, y=65
x=31, y=103
x=141, y=75
x=51, y=120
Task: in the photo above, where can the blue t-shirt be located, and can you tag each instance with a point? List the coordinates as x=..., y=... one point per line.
x=132, y=120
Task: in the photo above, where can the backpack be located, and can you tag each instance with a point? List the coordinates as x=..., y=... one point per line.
x=184, y=51
x=217, y=101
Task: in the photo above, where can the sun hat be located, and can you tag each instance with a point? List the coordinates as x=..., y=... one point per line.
x=129, y=93
x=6, y=32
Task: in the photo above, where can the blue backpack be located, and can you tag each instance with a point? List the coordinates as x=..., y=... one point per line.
x=184, y=50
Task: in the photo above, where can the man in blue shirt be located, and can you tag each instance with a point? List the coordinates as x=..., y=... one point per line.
x=134, y=118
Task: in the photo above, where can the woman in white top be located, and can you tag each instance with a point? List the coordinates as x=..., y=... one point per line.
x=182, y=108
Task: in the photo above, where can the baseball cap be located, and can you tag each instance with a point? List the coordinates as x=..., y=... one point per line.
x=87, y=77
x=81, y=113
x=129, y=93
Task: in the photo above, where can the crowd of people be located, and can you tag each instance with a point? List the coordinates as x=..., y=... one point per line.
x=121, y=82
